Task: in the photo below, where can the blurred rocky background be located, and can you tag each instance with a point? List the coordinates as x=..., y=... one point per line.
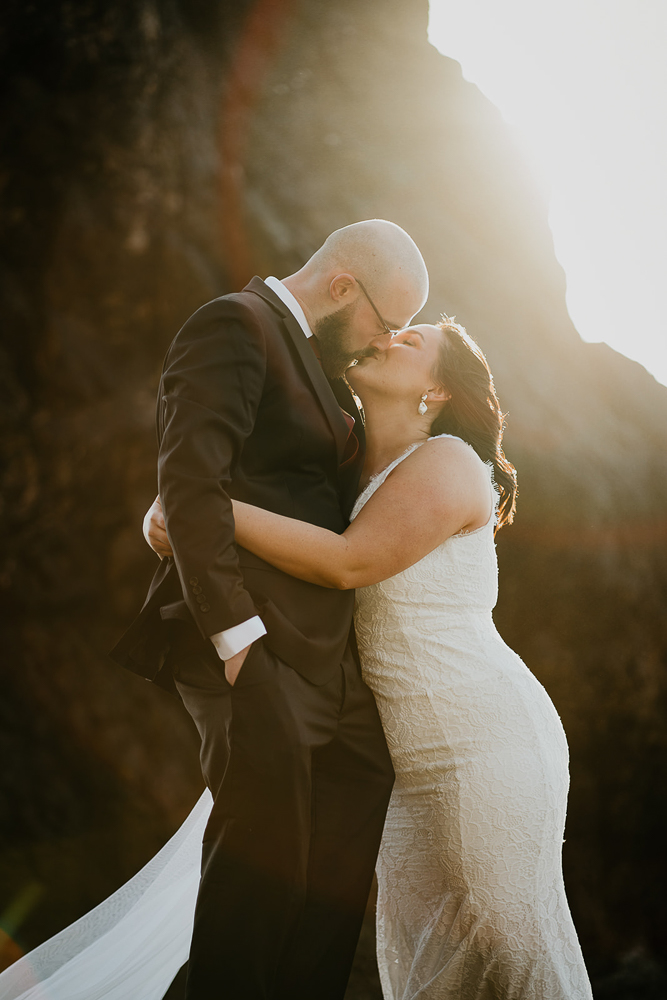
x=157, y=153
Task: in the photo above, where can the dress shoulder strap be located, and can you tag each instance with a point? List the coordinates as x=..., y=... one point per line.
x=377, y=480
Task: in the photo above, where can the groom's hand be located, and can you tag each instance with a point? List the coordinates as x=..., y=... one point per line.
x=233, y=665
x=155, y=531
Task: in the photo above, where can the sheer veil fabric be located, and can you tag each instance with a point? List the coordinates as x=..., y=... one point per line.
x=133, y=943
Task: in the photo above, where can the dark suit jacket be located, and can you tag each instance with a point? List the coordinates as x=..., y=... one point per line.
x=246, y=412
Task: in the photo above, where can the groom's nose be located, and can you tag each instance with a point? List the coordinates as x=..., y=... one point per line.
x=381, y=342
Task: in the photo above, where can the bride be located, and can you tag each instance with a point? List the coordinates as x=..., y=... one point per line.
x=471, y=900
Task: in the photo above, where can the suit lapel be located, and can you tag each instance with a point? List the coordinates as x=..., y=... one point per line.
x=318, y=379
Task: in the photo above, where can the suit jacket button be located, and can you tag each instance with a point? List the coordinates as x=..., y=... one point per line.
x=196, y=590
x=194, y=580
x=201, y=598
x=204, y=608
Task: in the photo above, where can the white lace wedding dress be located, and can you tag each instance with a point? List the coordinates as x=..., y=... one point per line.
x=471, y=901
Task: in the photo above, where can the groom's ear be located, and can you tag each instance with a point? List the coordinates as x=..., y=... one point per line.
x=342, y=288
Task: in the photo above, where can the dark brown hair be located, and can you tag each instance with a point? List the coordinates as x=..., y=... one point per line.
x=473, y=413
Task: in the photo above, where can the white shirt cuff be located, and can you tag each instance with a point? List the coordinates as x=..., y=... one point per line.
x=233, y=640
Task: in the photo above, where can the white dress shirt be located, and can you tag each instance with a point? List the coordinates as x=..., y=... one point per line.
x=233, y=640
x=283, y=292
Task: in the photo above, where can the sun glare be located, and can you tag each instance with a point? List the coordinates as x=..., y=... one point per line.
x=585, y=84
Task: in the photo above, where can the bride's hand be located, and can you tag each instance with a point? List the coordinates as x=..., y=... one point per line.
x=155, y=532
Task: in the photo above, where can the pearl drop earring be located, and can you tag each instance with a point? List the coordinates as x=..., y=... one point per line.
x=422, y=408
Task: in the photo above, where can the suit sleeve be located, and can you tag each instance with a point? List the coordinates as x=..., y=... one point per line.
x=210, y=393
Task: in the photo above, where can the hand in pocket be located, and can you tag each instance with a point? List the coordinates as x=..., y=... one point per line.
x=233, y=665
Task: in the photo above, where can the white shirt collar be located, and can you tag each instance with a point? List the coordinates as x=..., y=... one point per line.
x=284, y=293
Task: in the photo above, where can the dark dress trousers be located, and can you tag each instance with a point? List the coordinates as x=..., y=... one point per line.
x=294, y=752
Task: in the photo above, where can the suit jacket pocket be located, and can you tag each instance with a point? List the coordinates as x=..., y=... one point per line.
x=177, y=610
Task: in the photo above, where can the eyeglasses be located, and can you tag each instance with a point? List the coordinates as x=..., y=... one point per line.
x=387, y=328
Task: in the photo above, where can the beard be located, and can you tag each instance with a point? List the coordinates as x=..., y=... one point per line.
x=333, y=337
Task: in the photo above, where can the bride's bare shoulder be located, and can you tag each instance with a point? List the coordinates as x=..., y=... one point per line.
x=444, y=456
x=445, y=473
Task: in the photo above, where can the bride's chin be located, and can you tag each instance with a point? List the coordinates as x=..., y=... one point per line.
x=356, y=381
x=357, y=372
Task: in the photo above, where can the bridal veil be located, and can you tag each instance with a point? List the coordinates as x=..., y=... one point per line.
x=133, y=943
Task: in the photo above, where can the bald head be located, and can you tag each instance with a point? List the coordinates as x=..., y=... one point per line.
x=379, y=253
x=346, y=317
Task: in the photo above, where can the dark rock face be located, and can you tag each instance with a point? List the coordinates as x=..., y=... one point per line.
x=111, y=238
x=157, y=154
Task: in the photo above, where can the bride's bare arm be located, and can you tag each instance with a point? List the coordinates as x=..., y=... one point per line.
x=437, y=491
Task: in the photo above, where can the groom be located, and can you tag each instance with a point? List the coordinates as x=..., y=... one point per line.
x=252, y=406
